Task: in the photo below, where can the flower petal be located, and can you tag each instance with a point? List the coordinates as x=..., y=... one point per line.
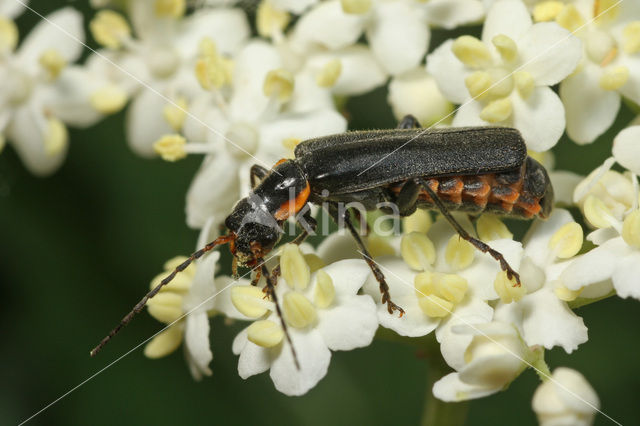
x=590, y=109
x=540, y=118
x=314, y=358
x=449, y=73
x=631, y=89
x=196, y=339
x=398, y=36
x=510, y=18
x=468, y=114
x=450, y=14
x=625, y=276
x=293, y=6
x=228, y=28
x=202, y=293
x=626, y=148
x=350, y=324
x=536, y=242
x=164, y=343
x=451, y=389
x=12, y=8
x=61, y=31
x=348, y=277
x=337, y=246
x=145, y=122
x=564, y=184
x=253, y=359
x=597, y=265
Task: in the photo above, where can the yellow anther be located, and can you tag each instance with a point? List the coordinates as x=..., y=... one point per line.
x=419, y=221
x=507, y=48
x=325, y=292
x=507, y=289
x=207, y=48
x=597, y=213
x=212, y=70
x=270, y=20
x=297, y=310
x=459, y=253
x=631, y=36
x=524, y=83
x=356, y=7
x=563, y=293
x=329, y=73
x=295, y=270
x=108, y=99
x=547, y=10
x=570, y=18
x=181, y=283
x=497, y=111
x=170, y=8
x=265, y=333
x=434, y=306
x=614, y=78
x=631, y=229
x=502, y=82
x=249, y=300
x=166, y=306
x=471, y=52
x=491, y=228
x=56, y=137
x=8, y=35
x=453, y=287
x=606, y=11
x=175, y=113
x=478, y=84
x=379, y=246
x=291, y=143
x=314, y=261
x=171, y=147
x=53, y=62
x=279, y=83
x=567, y=241
x=417, y=250
x=425, y=284
x=109, y=29
x=164, y=343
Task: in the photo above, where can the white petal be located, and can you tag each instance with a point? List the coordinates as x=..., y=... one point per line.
x=631, y=89
x=493, y=371
x=348, y=277
x=307, y=95
x=536, y=242
x=12, y=8
x=26, y=134
x=326, y=24
x=597, y=265
x=600, y=236
x=228, y=28
x=450, y=14
x=337, y=246
x=549, y=53
x=468, y=114
x=451, y=389
x=626, y=148
x=590, y=109
x=549, y=322
x=507, y=17
x=449, y=73
x=314, y=358
x=398, y=36
x=145, y=122
x=62, y=31
x=349, y=325
x=416, y=92
x=254, y=359
x=293, y=6
x=540, y=118
x=196, y=338
x=399, y=277
x=70, y=97
x=626, y=276
x=202, y=293
x=564, y=184
x=213, y=191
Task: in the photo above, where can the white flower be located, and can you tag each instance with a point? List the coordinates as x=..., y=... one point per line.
x=565, y=399
x=161, y=58
x=542, y=315
x=610, y=66
x=494, y=356
x=503, y=79
x=626, y=148
x=186, y=303
x=12, y=8
x=41, y=93
x=266, y=112
x=325, y=315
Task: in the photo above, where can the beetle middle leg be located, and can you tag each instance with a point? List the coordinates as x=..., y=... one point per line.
x=384, y=287
x=483, y=247
x=256, y=174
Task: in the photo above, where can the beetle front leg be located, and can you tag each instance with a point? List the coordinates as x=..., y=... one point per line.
x=483, y=247
x=384, y=287
x=409, y=122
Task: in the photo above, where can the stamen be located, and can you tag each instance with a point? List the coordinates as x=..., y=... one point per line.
x=265, y=333
x=110, y=29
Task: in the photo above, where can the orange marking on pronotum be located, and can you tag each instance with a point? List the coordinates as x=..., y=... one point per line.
x=292, y=207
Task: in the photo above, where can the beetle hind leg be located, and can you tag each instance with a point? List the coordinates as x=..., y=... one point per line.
x=483, y=247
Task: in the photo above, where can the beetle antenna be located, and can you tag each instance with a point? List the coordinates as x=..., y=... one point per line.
x=141, y=304
x=272, y=292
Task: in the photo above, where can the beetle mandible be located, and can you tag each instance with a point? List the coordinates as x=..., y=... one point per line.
x=472, y=169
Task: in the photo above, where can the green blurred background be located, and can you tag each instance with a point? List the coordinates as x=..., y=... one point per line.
x=78, y=249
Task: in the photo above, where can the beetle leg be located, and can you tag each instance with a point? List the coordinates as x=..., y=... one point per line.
x=362, y=221
x=409, y=122
x=483, y=247
x=256, y=174
x=384, y=287
x=407, y=198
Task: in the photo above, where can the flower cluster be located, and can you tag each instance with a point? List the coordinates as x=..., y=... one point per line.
x=206, y=81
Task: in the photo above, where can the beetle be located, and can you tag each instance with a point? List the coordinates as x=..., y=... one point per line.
x=472, y=169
